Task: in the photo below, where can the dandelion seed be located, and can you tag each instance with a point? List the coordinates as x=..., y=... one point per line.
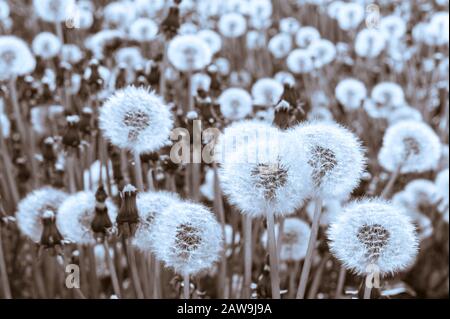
x=350, y=93
x=31, y=210
x=411, y=146
x=350, y=15
x=75, y=216
x=266, y=92
x=369, y=43
x=280, y=45
x=211, y=38
x=300, y=61
x=306, y=35
x=388, y=94
x=373, y=232
x=136, y=119
x=46, y=44
x=232, y=25
x=393, y=27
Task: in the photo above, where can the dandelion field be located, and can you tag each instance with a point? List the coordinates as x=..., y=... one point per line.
x=240, y=149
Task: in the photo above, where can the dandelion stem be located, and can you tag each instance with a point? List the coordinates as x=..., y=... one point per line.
x=133, y=268
x=341, y=282
x=247, y=256
x=311, y=246
x=186, y=286
x=8, y=170
x=138, y=172
x=112, y=270
x=387, y=189
x=367, y=291
x=3, y=271
x=273, y=255
x=317, y=278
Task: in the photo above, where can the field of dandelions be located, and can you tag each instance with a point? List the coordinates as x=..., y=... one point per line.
x=224, y=149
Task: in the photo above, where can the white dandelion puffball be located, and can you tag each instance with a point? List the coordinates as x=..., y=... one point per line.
x=421, y=191
x=265, y=174
x=439, y=23
x=75, y=216
x=235, y=6
x=306, y=35
x=373, y=232
x=143, y=29
x=5, y=125
x=350, y=15
x=388, y=94
x=149, y=7
x=54, y=10
x=99, y=40
x=212, y=39
x=334, y=7
x=15, y=57
x=150, y=205
x=241, y=135
x=71, y=53
x=136, y=119
x=189, y=53
x=187, y=238
x=129, y=56
x=200, y=81
x=294, y=239
x=232, y=25
x=280, y=45
x=442, y=189
x=393, y=27
x=404, y=113
x=285, y=78
x=188, y=28
x=260, y=9
x=255, y=40
x=267, y=92
x=46, y=45
x=119, y=14
x=322, y=51
x=335, y=157
x=235, y=103
x=413, y=146
x=289, y=25
x=350, y=93
x=31, y=209
x=300, y=61
x=369, y=43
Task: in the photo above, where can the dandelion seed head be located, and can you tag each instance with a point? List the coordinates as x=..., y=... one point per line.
x=150, y=205
x=393, y=27
x=4, y=9
x=149, y=8
x=255, y=40
x=32, y=208
x=404, y=113
x=71, y=53
x=369, y=43
x=200, y=81
x=335, y=157
x=442, y=190
x=350, y=93
x=388, y=94
x=294, y=240
x=300, y=61
x=266, y=92
x=280, y=45
x=262, y=175
x=143, y=29
x=130, y=57
x=373, y=231
x=235, y=103
x=289, y=25
x=15, y=57
x=322, y=52
x=189, y=53
x=306, y=35
x=350, y=15
x=119, y=14
x=97, y=42
x=187, y=238
x=75, y=216
x=412, y=145
x=285, y=78
x=211, y=38
x=54, y=10
x=46, y=44
x=136, y=119
x=232, y=25
x=261, y=9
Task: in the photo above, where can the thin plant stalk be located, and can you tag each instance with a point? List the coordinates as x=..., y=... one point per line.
x=317, y=278
x=311, y=246
x=247, y=256
x=133, y=268
x=186, y=287
x=8, y=170
x=388, y=188
x=367, y=291
x=138, y=172
x=273, y=255
x=112, y=270
x=3, y=271
x=341, y=282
